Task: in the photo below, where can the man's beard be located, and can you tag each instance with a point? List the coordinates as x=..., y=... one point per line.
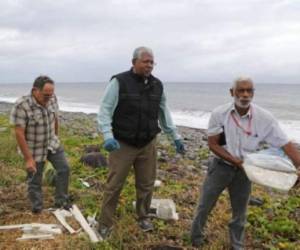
x=239, y=102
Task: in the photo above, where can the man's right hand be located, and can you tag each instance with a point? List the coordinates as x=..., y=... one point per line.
x=31, y=165
x=238, y=163
x=111, y=144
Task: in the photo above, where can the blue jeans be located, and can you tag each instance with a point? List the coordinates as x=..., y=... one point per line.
x=220, y=176
x=34, y=181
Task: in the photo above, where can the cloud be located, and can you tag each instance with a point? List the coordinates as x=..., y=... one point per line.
x=72, y=40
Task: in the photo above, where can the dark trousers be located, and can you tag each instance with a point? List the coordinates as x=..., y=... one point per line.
x=220, y=176
x=143, y=161
x=34, y=181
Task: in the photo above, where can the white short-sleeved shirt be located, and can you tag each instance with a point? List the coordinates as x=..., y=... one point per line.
x=244, y=134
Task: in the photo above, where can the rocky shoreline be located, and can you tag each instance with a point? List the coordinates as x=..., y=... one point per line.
x=195, y=140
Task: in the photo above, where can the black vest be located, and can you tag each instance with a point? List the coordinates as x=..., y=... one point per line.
x=135, y=120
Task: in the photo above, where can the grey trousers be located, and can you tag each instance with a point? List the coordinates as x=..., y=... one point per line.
x=34, y=181
x=121, y=161
x=220, y=176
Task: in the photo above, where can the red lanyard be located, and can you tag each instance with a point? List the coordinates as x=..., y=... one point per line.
x=247, y=130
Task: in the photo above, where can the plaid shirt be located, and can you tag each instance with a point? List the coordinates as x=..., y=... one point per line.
x=39, y=125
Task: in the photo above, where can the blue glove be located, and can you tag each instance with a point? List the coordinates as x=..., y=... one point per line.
x=179, y=146
x=111, y=144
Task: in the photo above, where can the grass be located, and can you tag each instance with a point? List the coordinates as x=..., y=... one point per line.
x=275, y=225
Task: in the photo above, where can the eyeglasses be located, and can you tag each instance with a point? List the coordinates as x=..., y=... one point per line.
x=149, y=62
x=46, y=96
x=249, y=90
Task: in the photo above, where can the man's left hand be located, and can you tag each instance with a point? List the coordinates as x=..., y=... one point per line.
x=179, y=146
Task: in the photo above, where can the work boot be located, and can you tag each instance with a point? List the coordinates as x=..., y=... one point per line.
x=36, y=210
x=64, y=205
x=146, y=225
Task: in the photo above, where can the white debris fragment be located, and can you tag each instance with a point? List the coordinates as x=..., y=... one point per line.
x=35, y=230
x=85, y=183
x=60, y=215
x=86, y=227
x=164, y=209
x=157, y=183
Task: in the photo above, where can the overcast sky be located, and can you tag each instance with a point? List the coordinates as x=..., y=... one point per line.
x=204, y=40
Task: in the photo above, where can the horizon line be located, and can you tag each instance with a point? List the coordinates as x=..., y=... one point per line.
x=168, y=82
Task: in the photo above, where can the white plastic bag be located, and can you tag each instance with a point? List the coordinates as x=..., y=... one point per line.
x=270, y=168
x=164, y=209
x=272, y=159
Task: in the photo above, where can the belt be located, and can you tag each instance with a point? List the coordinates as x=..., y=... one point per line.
x=221, y=161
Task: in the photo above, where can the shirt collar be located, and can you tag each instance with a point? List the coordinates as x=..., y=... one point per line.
x=247, y=115
x=33, y=101
x=139, y=77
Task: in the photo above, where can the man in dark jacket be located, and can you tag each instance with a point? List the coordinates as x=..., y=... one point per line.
x=133, y=104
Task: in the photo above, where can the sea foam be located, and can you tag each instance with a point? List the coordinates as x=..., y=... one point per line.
x=187, y=118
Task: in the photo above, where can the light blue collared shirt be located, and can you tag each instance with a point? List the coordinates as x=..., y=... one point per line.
x=109, y=103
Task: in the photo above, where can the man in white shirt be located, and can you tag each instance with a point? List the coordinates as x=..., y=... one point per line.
x=234, y=130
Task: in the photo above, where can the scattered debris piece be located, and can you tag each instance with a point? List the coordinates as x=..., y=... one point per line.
x=157, y=183
x=86, y=227
x=85, y=183
x=35, y=231
x=35, y=227
x=92, y=221
x=163, y=209
x=60, y=214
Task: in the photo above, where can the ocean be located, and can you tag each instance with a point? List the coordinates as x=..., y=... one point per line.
x=190, y=103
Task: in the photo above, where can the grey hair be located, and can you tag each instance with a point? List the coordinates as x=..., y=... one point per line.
x=241, y=79
x=137, y=53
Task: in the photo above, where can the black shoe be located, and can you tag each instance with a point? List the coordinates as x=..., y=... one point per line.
x=146, y=225
x=36, y=210
x=63, y=205
x=104, y=231
x=254, y=201
x=199, y=242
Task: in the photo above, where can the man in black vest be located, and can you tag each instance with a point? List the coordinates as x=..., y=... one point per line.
x=133, y=104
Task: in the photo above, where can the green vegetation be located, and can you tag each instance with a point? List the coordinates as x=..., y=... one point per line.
x=10, y=161
x=203, y=153
x=275, y=225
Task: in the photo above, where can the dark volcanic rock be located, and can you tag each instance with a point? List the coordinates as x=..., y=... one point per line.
x=94, y=159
